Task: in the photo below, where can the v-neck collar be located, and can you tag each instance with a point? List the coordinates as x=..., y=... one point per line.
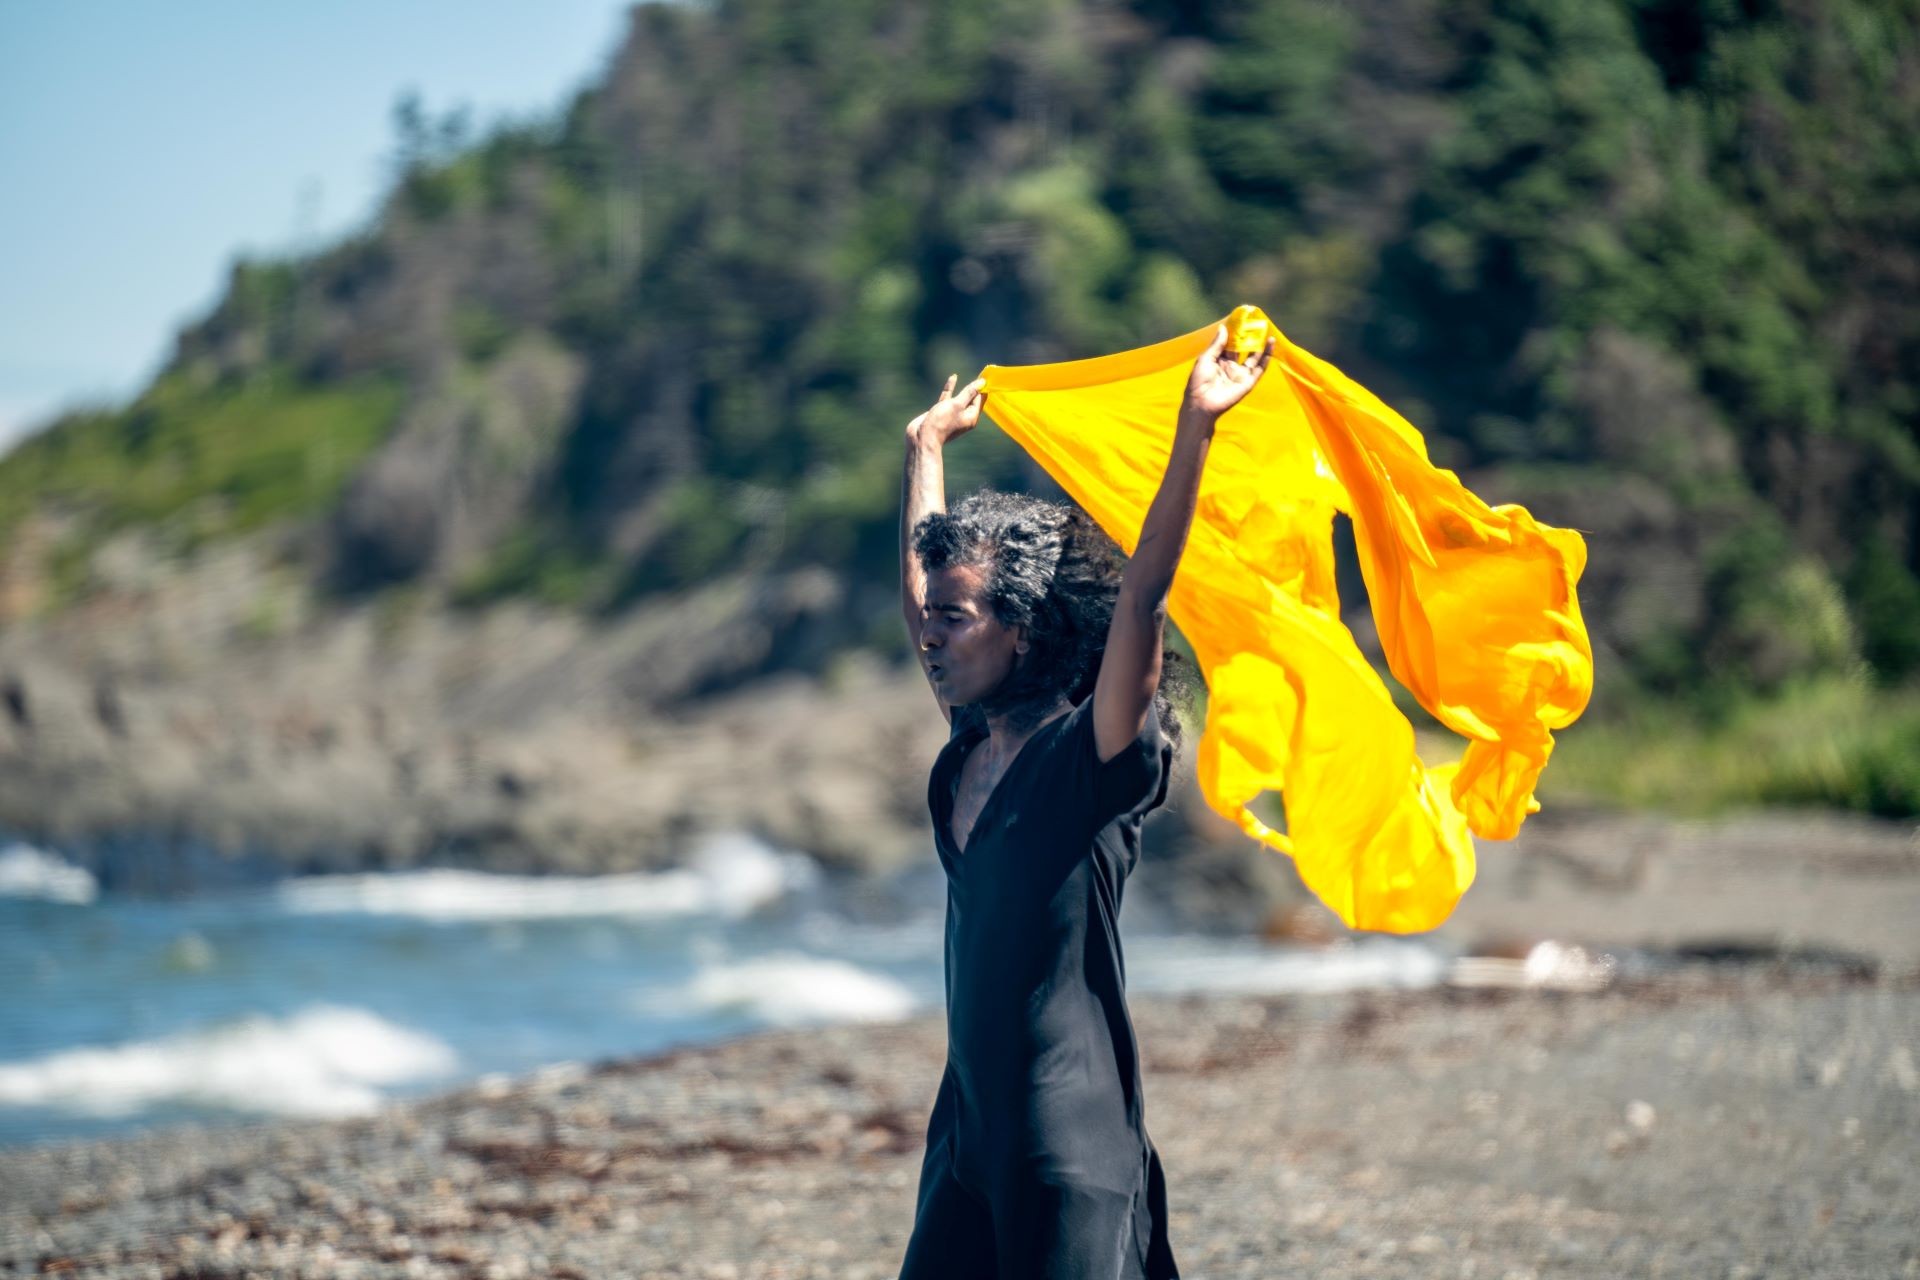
x=973, y=739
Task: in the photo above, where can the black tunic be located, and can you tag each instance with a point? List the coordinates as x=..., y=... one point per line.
x=1038, y=1161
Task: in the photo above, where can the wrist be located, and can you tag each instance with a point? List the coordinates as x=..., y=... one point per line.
x=1193, y=418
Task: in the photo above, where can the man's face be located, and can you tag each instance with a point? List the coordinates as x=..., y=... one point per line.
x=965, y=650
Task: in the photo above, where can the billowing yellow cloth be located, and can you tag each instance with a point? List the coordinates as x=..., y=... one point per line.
x=1476, y=609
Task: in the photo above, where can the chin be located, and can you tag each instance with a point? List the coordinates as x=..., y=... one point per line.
x=959, y=699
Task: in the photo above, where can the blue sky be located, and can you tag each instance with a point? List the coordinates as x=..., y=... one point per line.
x=144, y=144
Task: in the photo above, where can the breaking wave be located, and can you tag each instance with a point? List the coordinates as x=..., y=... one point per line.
x=27, y=872
x=1172, y=965
x=729, y=876
x=325, y=1060
x=787, y=989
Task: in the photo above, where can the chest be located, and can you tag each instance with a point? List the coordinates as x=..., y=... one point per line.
x=975, y=784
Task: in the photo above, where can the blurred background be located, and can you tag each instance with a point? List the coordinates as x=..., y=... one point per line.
x=448, y=589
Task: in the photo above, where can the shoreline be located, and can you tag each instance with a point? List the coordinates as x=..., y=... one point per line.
x=1715, y=1117
x=1739, y=1094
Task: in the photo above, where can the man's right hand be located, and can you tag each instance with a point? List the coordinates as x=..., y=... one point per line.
x=951, y=416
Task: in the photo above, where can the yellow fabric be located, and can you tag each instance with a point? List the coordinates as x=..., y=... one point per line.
x=1476, y=609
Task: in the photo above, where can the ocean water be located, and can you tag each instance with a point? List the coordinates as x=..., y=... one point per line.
x=332, y=995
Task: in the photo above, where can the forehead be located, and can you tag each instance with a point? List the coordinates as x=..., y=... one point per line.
x=955, y=585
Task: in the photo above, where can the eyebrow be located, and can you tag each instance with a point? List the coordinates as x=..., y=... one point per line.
x=946, y=604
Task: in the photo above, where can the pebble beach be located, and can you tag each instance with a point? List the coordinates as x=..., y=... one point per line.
x=1729, y=1116
x=1663, y=1050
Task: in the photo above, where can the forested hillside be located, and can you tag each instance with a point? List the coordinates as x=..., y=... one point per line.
x=1650, y=267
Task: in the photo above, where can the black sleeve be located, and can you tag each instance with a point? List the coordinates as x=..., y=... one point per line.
x=1133, y=782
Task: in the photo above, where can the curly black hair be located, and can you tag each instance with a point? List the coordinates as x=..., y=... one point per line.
x=1051, y=569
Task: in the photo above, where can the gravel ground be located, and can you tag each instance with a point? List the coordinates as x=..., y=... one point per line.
x=1759, y=1118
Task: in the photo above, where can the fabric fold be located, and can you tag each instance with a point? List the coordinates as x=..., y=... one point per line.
x=1476, y=608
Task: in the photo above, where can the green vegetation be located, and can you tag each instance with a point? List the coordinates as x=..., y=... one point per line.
x=1835, y=742
x=206, y=461
x=1645, y=266
x=526, y=564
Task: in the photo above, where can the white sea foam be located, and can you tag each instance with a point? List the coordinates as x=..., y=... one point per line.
x=27, y=872
x=325, y=1060
x=786, y=989
x=729, y=875
x=1170, y=965
x=919, y=938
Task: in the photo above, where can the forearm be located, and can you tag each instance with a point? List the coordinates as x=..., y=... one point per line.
x=1163, y=535
x=923, y=491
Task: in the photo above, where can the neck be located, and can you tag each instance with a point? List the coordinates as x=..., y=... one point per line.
x=1017, y=705
x=1009, y=726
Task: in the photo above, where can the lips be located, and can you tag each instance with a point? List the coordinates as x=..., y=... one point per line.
x=934, y=671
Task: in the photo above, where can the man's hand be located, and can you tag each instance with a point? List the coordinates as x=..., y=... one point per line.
x=1216, y=385
x=952, y=415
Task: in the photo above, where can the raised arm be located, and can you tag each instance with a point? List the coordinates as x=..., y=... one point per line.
x=1130, y=668
x=923, y=490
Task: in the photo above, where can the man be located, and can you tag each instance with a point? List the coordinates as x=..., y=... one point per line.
x=1046, y=658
